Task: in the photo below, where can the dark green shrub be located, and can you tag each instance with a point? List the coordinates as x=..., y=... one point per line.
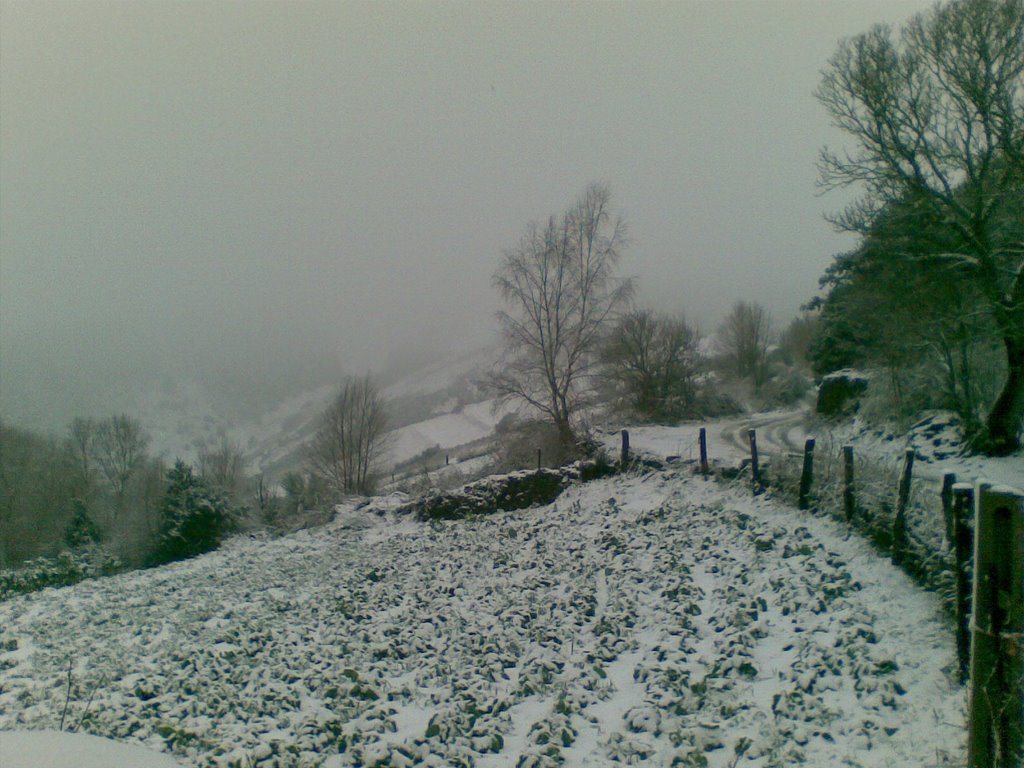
x=82, y=531
x=193, y=518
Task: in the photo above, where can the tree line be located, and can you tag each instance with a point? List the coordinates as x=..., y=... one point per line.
x=97, y=488
x=575, y=339
x=98, y=485
x=934, y=291
x=933, y=294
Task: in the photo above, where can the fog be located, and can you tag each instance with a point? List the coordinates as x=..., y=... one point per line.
x=268, y=194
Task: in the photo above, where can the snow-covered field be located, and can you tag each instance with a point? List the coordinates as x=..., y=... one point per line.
x=647, y=618
x=474, y=422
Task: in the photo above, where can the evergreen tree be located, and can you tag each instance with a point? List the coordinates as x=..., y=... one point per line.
x=82, y=530
x=194, y=518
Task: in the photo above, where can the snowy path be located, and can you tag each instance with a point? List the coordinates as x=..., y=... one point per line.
x=781, y=435
x=778, y=432
x=655, y=618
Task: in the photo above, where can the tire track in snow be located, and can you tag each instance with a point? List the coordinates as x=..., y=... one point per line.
x=781, y=432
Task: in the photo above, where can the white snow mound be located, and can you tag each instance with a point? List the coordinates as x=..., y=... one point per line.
x=55, y=749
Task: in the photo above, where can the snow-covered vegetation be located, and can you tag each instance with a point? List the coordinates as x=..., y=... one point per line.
x=644, y=617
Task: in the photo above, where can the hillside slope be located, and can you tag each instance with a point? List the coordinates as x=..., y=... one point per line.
x=440, y=404
x=647, y=617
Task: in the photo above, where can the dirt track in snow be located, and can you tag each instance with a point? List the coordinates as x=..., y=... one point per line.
x=777, y=432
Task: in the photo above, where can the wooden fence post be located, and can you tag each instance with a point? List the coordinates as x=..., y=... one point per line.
x=899, y=523
x=625, y=447
x=996, y=718
x=704, y=452
x=948, y=481
x=807, y=475
x=849, y=498
x=963, y=548
x=755, y=471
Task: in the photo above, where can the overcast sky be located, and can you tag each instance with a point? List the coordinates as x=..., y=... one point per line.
x=196, y=186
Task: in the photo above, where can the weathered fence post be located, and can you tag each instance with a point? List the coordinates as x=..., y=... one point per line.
x=704, y=452
x=963, y=548
x=625, y=447
x=755, y=471
x=996, y=718
x=446, y=459
x=807, y=475
x=948, y=481
x=849, y=499
x=899, y=523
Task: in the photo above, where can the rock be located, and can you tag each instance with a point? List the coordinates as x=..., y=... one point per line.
x=840, y=392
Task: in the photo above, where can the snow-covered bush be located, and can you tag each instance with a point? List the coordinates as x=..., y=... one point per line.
x=66, y=568
x=787, y=387
x=840, y=392
x=193, y=518
x=518, y=490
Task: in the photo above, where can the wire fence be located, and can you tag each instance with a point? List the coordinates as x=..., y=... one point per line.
x=870, y=501
x=966, y=543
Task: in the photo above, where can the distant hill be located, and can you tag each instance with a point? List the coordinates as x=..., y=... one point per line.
x=433, y=408
x=440, y=406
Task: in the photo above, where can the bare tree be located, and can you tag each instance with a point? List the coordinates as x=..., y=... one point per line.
x=796, y=340
x=937, y=118
x=345, y=450
x=222, y=466
x=745, y=337
x=81, y=444
x=560, y=287
x=120, y=450
x=654, y=363
x=266, y=500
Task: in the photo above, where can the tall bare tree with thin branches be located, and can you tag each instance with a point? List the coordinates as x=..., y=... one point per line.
x=222, y=466
x=745, y=336
x=81, y=442
x=350, y=439
x=120, y=445
x=652, y=362
x=560, y=287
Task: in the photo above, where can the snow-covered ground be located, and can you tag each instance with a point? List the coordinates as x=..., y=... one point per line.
x=781, y=434
x=56, y=749
x=444, y=373
x=655, y=618
x=937, y=444
x=473, y=422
